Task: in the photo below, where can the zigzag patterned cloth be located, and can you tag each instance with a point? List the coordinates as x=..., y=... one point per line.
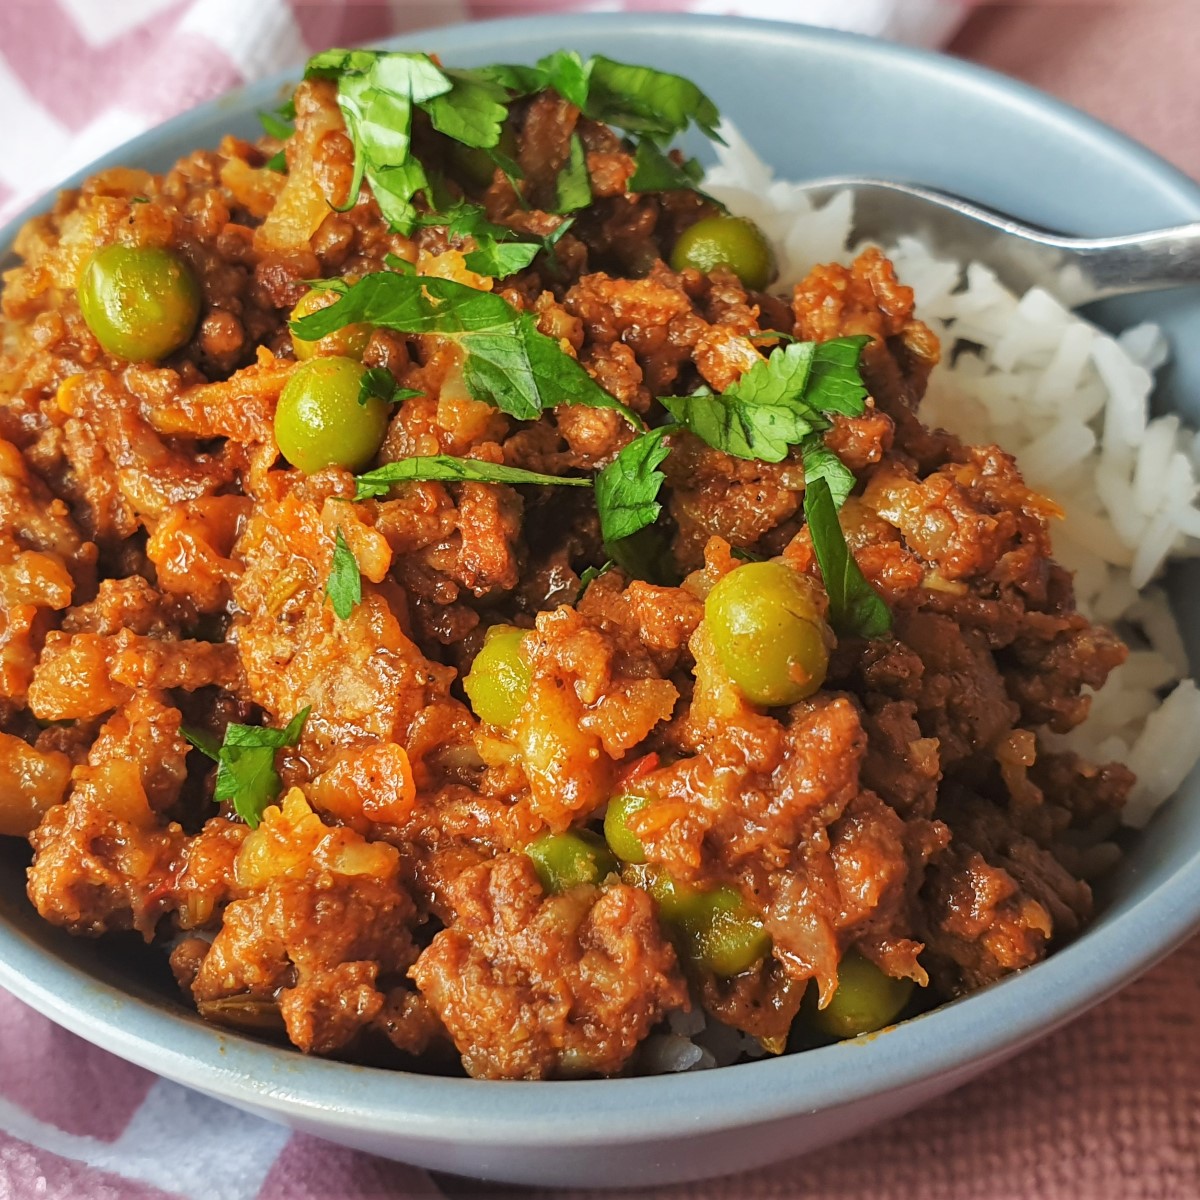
x=87, y=75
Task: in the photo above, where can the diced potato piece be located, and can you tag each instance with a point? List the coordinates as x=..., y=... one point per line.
x=31, y=781
x=375, y=784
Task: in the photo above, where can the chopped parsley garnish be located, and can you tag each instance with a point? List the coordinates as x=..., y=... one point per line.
x=379, y=90
x=627, y=489
x=781, y=402
x=568, y=75
x=836, y=385
x=379, y=383
x=377, y=93
x=589, y=575
x=821, y=463
x=279, y=123
x=655, y=171
x=637, y=99
x=444, y=468
x=643, y=100
x=500, y=259
x=344, y=585
x=855, y=608
x=506, y=360
x=573, y=188
x=246, y=773
x=778, y=402
x=499, y=250
x=472, y=111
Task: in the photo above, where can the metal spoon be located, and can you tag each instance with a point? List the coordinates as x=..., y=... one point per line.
x=1076, y=270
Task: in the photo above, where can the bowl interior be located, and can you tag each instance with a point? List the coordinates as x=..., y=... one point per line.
x=813, y=104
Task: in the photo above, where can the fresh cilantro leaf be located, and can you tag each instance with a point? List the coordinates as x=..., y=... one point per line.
x=277, y=162
x=377, y=383
x=279, y=123
x=646, y=555
x=627, y=489
x=472, y=112
x=377, y=91
x=550, y=243
x=393, y=262
x=139, y=199
x=655, y=171
x=507, y=361
x=344, y=585
x=567, y=74
x=512, y=172
x=552, y=239
x=746, y=427
x=821, y=463
x=463, y=219
x=444, y=468
x=836, y=385
x=589, y=574
x=855, y=608
x=573, y=188
x=500, y=259
x=643, y=100
x=516, y=80
x=779, y=401
x=246, y=773
x=204, y=742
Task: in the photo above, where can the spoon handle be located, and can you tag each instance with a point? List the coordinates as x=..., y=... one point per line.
x=1144, y=262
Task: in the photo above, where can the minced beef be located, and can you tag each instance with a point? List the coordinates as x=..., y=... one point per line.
x=162, y=568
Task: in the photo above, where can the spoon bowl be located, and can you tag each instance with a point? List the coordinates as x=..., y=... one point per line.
x=1076, y=270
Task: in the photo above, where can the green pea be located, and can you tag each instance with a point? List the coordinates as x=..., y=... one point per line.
x=141, y=302
x=866, y=999
x=765, y=624
x=625, y=844
x=564, y=860
x=349, y=342
x=319, y=421
x=725, y=241
x=498, y=682
x=714, y=929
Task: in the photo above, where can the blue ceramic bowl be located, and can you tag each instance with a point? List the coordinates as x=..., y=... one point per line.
x=815, y=103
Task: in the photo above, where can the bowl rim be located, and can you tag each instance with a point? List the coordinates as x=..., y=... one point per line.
x=993, y=1023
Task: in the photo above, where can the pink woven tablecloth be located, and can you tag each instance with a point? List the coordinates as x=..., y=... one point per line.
x=1108, y=1109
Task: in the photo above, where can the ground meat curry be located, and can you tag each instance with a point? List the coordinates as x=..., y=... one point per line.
x=426, y=607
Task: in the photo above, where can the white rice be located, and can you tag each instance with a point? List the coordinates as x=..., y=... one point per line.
x=1071, y=402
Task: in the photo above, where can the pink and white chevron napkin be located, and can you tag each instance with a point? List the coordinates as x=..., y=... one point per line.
x=78, y=77
x=1108, y=1109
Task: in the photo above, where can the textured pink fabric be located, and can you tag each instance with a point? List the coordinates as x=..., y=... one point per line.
x=59, y=1079
x=1108, y=1109
x=27, y=1172
x=311, y=1169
